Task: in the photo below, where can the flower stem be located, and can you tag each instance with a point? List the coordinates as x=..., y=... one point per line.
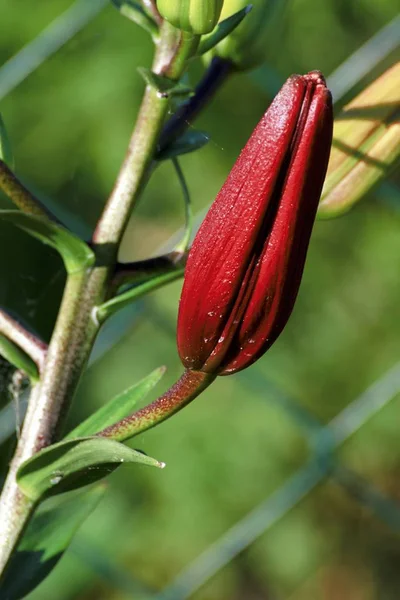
x=34, y=347
x=186, y=389
x=75, y=329
x=47, y=399
x=142, y=145
x=20, y=195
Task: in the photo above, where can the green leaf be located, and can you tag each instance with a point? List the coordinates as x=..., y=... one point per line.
x=188, y=142
x=117, y=408
x=71, y=464
x=6, y=154
x=47, y=537
x=222, y=30
x=183, y=245
x=75, y=253
x=18, y=358
x=136, y=13
x=165, y=87
x=104, y=311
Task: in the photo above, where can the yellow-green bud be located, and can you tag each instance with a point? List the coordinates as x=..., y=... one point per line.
x=247, y=45
x=195, y=16
x=366, y=145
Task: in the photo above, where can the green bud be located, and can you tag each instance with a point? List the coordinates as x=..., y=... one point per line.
x=195, y=16
x=247, y=45
x=366, y=145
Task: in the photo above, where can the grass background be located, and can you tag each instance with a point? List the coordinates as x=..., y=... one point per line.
x=69, y=123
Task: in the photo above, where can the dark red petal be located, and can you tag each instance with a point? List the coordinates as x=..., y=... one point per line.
x=282, y=261
x=224, y=243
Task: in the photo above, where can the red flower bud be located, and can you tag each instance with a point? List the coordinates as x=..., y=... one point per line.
x=246, y=262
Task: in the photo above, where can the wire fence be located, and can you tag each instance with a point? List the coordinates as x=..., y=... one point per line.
x=324, y=440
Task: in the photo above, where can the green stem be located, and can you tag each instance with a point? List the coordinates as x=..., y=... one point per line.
x=19, y=194
x=24, y=339
x=142, y=145
x=186, y=389
x=43, y=414
x=76, y=329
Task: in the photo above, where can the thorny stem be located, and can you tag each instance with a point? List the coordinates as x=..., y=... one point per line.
x=27, y=341
x=186, y=389
x=75, y=329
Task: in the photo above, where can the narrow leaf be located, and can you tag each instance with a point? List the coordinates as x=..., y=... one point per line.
x=17, y=357
x=183, y=245
x=104, y=311
x=135, y=12
x=72, y=464
x=46, y=539
x=188, y=142
x=74, y=252
x=165, y=87
x=117, y=408
x=223, y=29
x=6, y=154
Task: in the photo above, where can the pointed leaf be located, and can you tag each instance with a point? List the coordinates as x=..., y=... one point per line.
x=188, y=142
x=17, y=357
x=75, y=253
x=74, y=463
x=6, y=154
x=125, y=298
x=117, y=408
x=46, y=539
x=183, y=245
x=165, y=87
x=223, y=29
x=136, y=13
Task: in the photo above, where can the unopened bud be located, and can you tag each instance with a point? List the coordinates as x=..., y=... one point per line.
x=366, y=145
x=195, y=16
x=245, y=265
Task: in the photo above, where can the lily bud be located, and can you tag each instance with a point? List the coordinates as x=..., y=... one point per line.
x=246, y=262
x=195, y=16
x=247, y=45
x=366, y=145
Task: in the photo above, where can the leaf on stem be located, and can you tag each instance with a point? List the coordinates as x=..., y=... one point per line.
x=47, y=537
x=188, y=142
x=6, y=154
x=223, y=29
x=104, y=311
x=164, y=86
x=136, y=13
x=74, y=252
x=183, y=245
x=72, y=464
x=117, y=408
x=17, y=357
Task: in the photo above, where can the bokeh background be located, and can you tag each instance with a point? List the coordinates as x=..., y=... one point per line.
x=226, y=454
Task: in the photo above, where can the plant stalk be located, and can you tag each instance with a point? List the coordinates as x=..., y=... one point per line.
x=42, y=417
x=76, y=329
x=20, y=195
x=34, y=347
x=186, y=389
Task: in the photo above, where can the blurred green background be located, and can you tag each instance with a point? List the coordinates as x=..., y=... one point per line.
x=69, y=123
